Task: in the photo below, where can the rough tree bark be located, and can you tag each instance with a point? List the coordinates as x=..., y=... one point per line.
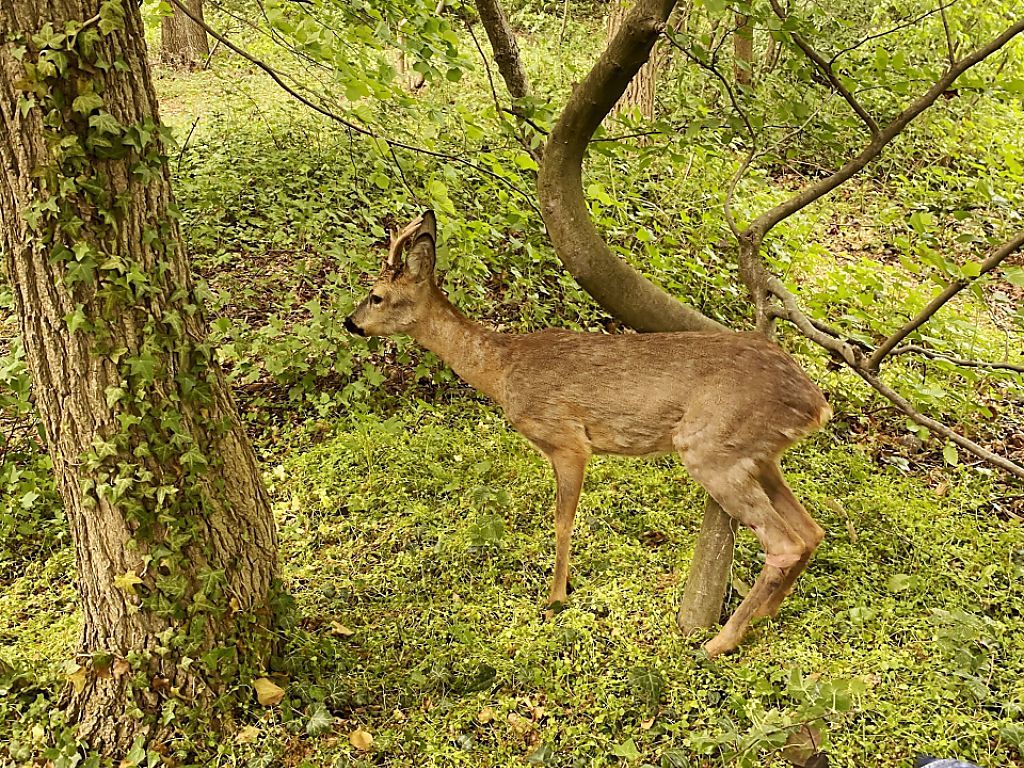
x=743, y=50
x=174, y=539
x=504, y=46
x=183, y=43
x=640, y=92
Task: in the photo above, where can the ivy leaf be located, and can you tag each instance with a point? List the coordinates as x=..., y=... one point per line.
x=104, y=122
x=127, y=581
x=87, y=102
x=320, y=721
x=76, y=319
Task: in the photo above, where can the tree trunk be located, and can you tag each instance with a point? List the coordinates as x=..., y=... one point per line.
x=183, y=43
x=743, y=50
x=639, y=93
x=174, y=539
x=708, y=580
x=504, y=46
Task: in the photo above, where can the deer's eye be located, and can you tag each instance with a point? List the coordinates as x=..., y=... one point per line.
x=375, y=299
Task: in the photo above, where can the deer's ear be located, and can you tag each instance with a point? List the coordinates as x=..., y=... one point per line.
x=421, y=258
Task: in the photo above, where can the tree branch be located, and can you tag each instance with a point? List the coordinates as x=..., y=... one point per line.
x=939, y=428
x=812, y=192
x=855, y=361
x=613, y=283
x=504, y=47
x=936, y=355
x=995, y=258
x=828, y=73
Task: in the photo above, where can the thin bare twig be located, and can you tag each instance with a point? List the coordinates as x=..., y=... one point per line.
x=520, y=135
x=752, y=150
x=828, y=73
x=950, y=47
x=363, y=131
x=959, y=361
x=995, y=258
x=904, y=25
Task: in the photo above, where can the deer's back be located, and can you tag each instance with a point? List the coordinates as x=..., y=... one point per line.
x=632, y=394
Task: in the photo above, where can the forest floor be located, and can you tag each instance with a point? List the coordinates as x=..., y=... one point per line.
x=417, y=541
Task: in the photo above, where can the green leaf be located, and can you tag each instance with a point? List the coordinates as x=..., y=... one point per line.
x=86, y=103
x=127, y=582
x=76, y=319
x=626, y=750
x=1014, y=275
x=320, y=721
x=104, y=122
x=951, y=454
x=899, y=582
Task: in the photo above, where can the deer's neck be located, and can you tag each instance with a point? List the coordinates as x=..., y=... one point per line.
x=474, y=352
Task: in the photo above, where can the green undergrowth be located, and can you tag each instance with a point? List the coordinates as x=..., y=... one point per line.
x=418, y=547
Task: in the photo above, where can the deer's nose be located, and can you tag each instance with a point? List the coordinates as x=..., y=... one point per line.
x=351, y=327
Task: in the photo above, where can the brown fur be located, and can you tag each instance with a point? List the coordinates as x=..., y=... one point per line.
x=728, y=403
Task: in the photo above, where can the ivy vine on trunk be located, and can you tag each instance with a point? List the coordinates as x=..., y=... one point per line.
x=174, y=539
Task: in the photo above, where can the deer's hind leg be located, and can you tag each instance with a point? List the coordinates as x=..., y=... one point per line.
x=787, y=505
x=733, y=481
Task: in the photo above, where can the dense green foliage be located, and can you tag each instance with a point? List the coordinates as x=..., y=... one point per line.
x=415, y=521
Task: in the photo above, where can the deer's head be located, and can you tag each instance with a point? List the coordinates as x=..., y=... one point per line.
x=401, y=293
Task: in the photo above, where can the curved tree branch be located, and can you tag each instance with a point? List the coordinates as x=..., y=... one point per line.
x=613, y=283
x=855, y=360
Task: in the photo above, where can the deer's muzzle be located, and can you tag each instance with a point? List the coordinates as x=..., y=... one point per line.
x=351, y=327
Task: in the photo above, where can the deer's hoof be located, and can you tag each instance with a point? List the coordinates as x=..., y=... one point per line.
x=553, y=609
x=718, y=645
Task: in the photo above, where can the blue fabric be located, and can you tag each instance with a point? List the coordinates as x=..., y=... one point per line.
x=932, y=762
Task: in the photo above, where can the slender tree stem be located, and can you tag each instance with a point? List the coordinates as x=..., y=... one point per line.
x=995, y=258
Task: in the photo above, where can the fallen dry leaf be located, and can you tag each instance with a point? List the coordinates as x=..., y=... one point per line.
x=486, y=715
x=802, y=746
x=337, y=628
x=77, y=679
x=360, y=739
x=268, y=694
x=247, y=735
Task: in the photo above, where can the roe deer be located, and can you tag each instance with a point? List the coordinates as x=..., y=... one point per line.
x=728, y=403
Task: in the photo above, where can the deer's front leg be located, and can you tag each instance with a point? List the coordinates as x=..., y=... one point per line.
x=569, y=469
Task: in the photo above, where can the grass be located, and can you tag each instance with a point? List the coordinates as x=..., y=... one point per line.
x=390, y=531
x=418, y=549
